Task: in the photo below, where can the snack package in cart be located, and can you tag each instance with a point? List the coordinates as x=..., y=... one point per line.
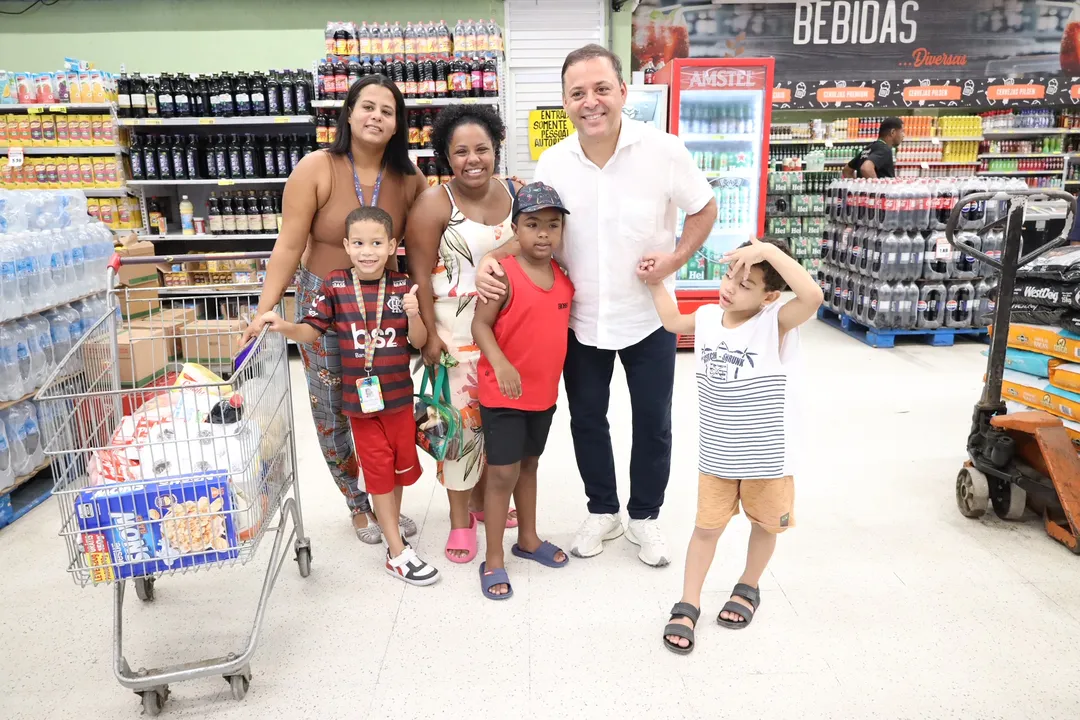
x=137, y=529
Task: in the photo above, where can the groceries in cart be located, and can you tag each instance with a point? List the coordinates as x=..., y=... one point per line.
x=192, y=429
x=143, y=529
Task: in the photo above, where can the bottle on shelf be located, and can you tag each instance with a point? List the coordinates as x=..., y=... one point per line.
x=187, y=216
x=123, y=95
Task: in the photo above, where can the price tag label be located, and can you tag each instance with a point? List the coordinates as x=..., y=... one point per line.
x=282, y=120
x=226, y=182
x=469, y=101
x=924, y=166
x=423, y=101
x=935, y=141
x=15, y=156
x=944, y=250
x=154, y=121
x=36, y=110
x=829, y=143
x=58, y=108
x=206, y=121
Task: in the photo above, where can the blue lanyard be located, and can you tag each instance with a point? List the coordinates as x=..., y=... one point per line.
x=360, y=191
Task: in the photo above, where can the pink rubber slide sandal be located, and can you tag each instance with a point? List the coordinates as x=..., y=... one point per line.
x=462, y=539
x=511, y=522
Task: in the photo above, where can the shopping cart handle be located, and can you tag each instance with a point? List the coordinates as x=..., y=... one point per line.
x=174, y=259
x=115, y=261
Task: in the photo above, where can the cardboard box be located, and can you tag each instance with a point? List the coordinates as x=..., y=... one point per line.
x=212, y=341
x=131, y=246
x=130, y=529
x=168, y=323
x=290, y=307
x=142, y=356
x=137, y=301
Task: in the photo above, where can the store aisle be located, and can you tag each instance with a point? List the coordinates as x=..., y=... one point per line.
x=884, y=602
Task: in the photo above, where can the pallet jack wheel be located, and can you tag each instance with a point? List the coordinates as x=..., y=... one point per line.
x=972, y=493
x=1010, y=502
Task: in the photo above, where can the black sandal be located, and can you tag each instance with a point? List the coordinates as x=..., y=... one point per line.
x=749, y=594
x=691, y=613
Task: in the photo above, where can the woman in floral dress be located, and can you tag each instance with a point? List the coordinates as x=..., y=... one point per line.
x=449, y=230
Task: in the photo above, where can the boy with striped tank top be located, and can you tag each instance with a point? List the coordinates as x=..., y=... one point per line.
x=523, y=339
x=746, y=350
x=376, y=315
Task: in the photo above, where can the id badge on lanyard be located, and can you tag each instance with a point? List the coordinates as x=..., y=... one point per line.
x=369, y=388
x=360, y=190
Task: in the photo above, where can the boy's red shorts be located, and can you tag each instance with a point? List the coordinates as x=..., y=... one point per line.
x=386, y=448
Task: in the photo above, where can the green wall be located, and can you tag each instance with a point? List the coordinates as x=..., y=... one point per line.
x=200, y=35
x=621, y=35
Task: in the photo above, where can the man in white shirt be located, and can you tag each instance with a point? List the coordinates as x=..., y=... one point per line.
x=623, y=183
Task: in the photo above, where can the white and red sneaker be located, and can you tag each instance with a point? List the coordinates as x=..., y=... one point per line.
x=409, y=567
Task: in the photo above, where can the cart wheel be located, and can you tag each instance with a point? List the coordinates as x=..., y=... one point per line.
x=239, y=685
x=1010, y=502
x=303, y=560
x=972, y=493
x=153, y=701
x=144, y=588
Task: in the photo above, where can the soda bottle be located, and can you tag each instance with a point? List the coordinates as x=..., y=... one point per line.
x=862, y=298
x=850, y=294
x=339, y=83
x=409, y=41
x=918, y=254
x=855, y=251
x=963, y=266
x=326, y=79
x=959, y=304
x=983, y=315
x=411, y=79
x=931, y=306
x=397, y=39
x=935, y=268
x=880, y=313
x=902, y=270
x=495, y=39
x=442, y=37
x=476, y=78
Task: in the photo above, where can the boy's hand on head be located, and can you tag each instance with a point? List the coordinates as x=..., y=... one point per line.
x=655, y=267
x=509, y=380
x=410, y=303
x=740, y=260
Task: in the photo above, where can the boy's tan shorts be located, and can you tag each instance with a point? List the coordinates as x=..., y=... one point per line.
x=768, y=503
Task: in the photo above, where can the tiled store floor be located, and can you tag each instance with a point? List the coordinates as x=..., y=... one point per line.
x=883, y=603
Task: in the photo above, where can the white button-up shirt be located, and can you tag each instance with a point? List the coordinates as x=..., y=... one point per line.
x=619, y=213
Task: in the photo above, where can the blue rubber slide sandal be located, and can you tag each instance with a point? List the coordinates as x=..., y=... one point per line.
x=545, y=554
x=489, y=579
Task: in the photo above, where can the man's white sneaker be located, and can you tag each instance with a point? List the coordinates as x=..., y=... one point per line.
x=597, y=528
x=646, y=535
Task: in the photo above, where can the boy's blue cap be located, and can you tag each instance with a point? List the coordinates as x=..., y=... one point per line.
x=537, y=196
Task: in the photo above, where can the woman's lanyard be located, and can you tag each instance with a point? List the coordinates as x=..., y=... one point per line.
x=359, y=190
x=369, y=333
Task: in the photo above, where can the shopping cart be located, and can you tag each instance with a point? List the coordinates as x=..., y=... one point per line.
x=168, y=459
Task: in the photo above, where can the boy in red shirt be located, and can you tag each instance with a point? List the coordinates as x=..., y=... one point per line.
x=369, y=302
x=523, y=340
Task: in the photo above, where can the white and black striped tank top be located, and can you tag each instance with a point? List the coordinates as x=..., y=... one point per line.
x=746, y=411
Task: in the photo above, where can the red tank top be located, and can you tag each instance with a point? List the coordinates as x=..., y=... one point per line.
x=531, y=331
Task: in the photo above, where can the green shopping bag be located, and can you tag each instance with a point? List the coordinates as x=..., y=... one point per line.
x=438, y=422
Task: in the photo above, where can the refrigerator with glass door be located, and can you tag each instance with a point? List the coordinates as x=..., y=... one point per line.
x=722, y=109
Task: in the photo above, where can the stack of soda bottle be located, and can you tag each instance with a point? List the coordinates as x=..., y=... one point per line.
x=425, y=60
x=887, y=264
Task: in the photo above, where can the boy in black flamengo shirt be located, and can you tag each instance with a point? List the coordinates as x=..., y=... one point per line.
x=373, y=310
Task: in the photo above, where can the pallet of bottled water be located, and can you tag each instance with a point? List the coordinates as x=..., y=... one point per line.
x=53, y=271
x=887, y=268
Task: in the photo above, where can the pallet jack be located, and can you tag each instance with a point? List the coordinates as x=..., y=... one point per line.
x=1020, y=460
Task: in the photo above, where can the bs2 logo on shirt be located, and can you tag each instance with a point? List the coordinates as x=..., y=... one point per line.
x=383, y=337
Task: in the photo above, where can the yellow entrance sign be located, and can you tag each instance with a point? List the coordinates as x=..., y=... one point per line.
x=547, y=127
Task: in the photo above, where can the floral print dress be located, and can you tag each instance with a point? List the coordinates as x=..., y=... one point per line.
x=463, y=244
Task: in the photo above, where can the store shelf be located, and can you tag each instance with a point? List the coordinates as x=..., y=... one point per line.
x=238, y=120
x=911, y=163
x=1021, y=132
x=868, y=140
x=707, y=138
x=225, y=182
x=1007, y=173
x=1020, y=155
x=742, y=173
x=72, y=150
x=59, y=107
x=239, y=236
x=420, y=102
x=113, y=192
x=23, y=479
